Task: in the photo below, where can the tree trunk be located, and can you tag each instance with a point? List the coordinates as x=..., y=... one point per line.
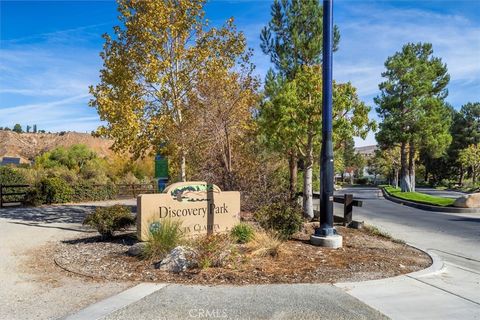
x=183, y=166
x=395, y=181
x=411, y=165
x=227, y=158
x=404, y=178
x=292, y=165
x=426, y=175
x=462, y=173
x=308, y=180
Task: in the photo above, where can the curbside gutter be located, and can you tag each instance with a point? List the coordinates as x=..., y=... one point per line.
x=427, y=207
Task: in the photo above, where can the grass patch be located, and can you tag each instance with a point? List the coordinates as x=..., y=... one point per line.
x=419, y=197
x=163, y=238
x=242, y=233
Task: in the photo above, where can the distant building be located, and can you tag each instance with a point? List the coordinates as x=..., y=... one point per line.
x=367, y=151
x=10, y=161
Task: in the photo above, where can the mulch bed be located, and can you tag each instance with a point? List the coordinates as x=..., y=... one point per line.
x=364, y=256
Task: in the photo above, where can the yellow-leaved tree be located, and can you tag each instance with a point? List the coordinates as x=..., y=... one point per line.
x=151, y=69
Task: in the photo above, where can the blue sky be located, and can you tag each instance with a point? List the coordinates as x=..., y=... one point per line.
x=49, y=50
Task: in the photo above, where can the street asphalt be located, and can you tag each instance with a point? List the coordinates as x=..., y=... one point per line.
x=451, y=294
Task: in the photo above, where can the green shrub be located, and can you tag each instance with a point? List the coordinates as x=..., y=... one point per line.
x=107, y=220
x=212, y=250
x=242, y=233
x=283, y=217
x=163, y=238
x=54, y=190
x=88, y=191
x=33, y=197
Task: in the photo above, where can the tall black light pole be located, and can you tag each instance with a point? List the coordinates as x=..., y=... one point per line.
x=326, y=162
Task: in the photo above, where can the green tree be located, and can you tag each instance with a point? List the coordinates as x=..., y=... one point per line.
x=293, y=39
x=347, y=154
x=465, y=131
x=470, y=158
x=411, y=106
x=291, y=118
x=151, y=69
x=73, y=158
x=17, y=128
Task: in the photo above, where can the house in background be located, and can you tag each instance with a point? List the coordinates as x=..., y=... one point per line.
x=10, y=161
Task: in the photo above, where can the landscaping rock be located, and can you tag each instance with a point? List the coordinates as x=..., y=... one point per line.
x=468, y=201
x=136, y=249
x=178, y=260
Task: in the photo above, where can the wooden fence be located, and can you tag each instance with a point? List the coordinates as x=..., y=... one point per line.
x=133, y=190
x=11, y=195
x=15, y=194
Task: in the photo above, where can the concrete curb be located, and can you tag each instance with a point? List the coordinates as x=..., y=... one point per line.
x=437, y=266
x=105, y=307
x=427, y=207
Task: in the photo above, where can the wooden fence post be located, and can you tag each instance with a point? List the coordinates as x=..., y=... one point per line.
x=347, y=209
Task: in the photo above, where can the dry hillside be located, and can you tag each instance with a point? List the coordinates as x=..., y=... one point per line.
x=29, y=145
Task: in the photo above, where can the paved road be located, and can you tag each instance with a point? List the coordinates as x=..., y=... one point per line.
x=453, y=294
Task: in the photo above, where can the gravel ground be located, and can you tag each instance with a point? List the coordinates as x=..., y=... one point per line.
x=363, y=257
x=27, y=291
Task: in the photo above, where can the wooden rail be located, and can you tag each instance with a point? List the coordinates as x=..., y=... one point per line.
x=4, y=193
x=348, y=204
x=133, y=190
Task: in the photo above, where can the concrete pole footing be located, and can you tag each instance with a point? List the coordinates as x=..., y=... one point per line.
x=333, y=242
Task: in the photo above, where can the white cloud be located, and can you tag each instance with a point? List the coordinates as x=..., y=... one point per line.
x=371, y=33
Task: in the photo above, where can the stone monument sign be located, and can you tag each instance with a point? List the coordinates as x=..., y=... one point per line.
x=202, y=208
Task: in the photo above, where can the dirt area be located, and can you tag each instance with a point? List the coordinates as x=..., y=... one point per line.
x=29, y=289
x=364, y=256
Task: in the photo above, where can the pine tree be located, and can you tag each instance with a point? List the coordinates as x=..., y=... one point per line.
x=293, y=40
x=411, y=106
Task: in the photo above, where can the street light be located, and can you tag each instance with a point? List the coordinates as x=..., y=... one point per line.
x=326, y=235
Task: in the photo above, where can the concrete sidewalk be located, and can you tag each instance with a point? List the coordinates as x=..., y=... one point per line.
x=296, y=301
x=423, y=295
x=428, y=294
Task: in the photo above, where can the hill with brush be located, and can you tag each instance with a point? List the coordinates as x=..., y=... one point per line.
x=27, y=146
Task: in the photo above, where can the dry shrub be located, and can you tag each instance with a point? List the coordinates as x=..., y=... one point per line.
x=212, y=250
x=265, y=244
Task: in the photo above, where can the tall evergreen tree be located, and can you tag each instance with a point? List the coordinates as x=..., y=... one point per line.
x=293, y=39
x=411, y=106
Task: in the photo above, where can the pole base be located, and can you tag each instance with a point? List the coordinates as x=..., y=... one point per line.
x=333, y=241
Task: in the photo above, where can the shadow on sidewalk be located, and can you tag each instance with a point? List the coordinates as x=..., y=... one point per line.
x=50, y=214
